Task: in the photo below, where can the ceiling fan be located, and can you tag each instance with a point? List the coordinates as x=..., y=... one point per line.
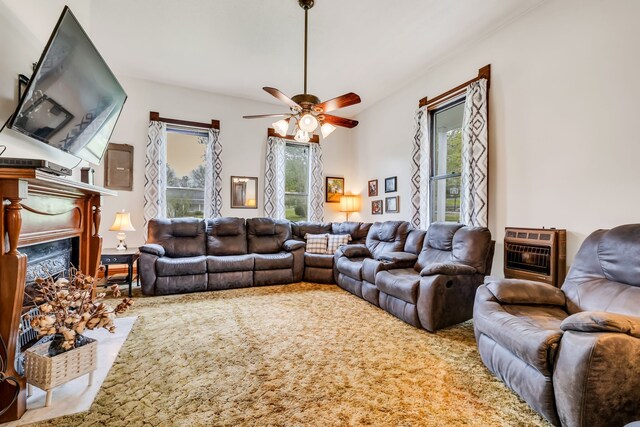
x=307, y=110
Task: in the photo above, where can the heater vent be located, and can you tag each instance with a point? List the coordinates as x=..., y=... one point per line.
x=535, y=254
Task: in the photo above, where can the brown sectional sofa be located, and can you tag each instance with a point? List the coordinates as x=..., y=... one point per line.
x=191, y=255
x=318, y=268
x=428, y=279
x=572, y=353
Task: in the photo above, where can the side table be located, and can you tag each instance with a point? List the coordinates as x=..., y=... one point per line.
x=111, y=256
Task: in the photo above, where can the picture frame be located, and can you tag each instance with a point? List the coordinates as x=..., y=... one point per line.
x=392, y=204
x=372, y=188
x=244, y=192
x=376, y=207
x=334, y=189
x=391, y=184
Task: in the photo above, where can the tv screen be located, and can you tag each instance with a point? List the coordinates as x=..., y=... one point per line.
x=73, y=100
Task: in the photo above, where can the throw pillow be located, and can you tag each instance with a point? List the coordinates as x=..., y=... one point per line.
x=337, y=240
x=316, y=243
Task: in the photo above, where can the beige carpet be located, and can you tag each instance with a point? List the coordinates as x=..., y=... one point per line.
x=294, y=355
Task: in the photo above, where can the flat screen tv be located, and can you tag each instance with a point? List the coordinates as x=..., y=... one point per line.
x=73, y=100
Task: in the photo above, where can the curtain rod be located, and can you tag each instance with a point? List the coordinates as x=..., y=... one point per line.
x=155, y=116
x=483, y=73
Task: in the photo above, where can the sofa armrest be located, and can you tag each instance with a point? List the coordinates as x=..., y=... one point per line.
x=602, y=321
x=515, y=291
x=153, y=249
x=449, y=269
x=292, y=245
x=355, y=251
x=404, y=257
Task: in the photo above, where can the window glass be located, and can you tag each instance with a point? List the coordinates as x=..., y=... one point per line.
x=185, y=174
x=296, y=187
x=446, y=155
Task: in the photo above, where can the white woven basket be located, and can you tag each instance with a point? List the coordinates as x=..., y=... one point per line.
x=46, y=372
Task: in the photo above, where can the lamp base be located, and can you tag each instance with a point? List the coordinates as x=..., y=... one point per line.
x=122, y=245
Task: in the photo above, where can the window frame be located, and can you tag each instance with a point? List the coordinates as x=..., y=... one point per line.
x=289, y=143
x=433, y=178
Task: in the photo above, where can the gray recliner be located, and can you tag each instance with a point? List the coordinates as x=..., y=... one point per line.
x=573, y=353
x=436, y=290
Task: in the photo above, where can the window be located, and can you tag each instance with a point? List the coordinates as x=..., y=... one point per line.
x=185, y=172
x=296, y=187
x=446, y=158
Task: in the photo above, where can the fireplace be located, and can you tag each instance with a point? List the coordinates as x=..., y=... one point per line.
x=45, y=259
x=46, y=223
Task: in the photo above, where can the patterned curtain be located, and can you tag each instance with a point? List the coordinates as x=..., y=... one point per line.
x=316, y=183
x=213, y=175
x=420, y=171
x=474, y=197
x=274, y=179
x=155, y=173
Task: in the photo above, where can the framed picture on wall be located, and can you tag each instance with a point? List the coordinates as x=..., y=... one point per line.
x=391, y=184
x=244, y=192
x=376, y=207
x=392, y=204
x=335, y=189
x=373, y=188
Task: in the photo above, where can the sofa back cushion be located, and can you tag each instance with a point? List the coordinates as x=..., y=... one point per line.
x=226, y=236
x=415, y=241
x=266, y=236
x=302, y=228
x=605, y=274
x=388, y=236
x=448, y=242
x=357, y=230
x=180, y=237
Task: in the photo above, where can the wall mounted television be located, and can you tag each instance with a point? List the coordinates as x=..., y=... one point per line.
x=73, y=100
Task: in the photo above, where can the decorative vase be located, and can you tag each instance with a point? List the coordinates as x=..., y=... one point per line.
x=58, y=339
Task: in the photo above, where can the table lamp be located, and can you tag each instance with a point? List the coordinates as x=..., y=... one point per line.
x=121, y=224
x=349, y=203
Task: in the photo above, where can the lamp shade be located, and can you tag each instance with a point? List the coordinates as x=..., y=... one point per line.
x=122, y=222
x=349, y=203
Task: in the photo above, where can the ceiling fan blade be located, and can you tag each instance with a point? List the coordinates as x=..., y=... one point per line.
x=340, y=121
x=263, y=116
x=340, y=102
x=282, y=97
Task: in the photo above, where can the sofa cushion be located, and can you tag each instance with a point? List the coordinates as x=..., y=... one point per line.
x=316, y=243
x=401, y=283
x=388, y=236
x=185, y=266
x=226, y=236
x=266, y=236
x=180, y=237
x=221, y=264
x=532, y=333
x=351, y=267
x=440, y=235
x=318, y=260
x=357, y=230
x=335, y=241
x=280, y=260
x=301, y=228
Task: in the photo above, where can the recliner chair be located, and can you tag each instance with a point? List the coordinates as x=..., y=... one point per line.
x=573, y=354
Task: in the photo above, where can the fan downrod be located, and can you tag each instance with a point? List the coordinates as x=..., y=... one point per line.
x=306, y=4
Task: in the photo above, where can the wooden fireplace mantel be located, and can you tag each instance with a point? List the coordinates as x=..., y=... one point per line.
x=39, y=207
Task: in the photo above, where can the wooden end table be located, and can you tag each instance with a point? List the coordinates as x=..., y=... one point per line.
x=111, y=256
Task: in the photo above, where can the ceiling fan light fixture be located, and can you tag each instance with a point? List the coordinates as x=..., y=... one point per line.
x=308, y=122
x=326, y=129
x=281, y=127
x=302, y=136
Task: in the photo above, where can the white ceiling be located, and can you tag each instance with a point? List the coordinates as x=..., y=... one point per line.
x=235, y=47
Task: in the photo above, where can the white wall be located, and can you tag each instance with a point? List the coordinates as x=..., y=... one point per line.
x=25, y=26
x=243, y=145
x=563, y=105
